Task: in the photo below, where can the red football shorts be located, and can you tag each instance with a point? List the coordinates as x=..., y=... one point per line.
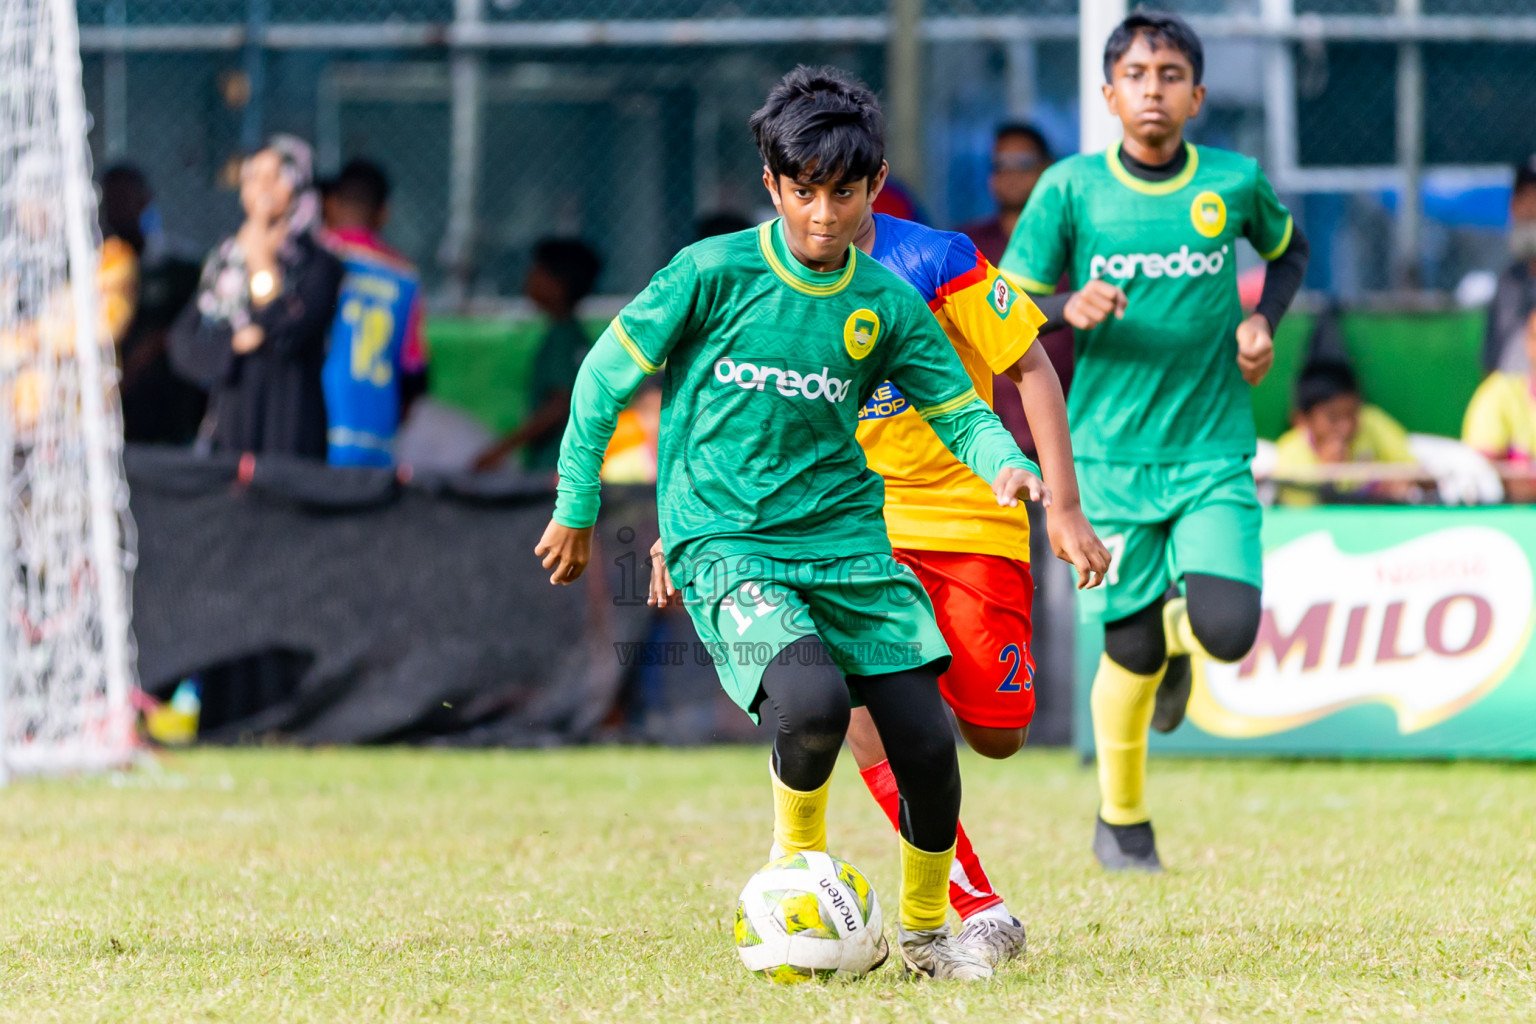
x=983, y=606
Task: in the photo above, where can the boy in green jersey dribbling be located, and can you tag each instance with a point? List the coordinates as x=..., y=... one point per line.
x=1161, y=416
x=771, y=341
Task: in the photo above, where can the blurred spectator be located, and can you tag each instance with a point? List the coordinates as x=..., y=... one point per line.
x=1020, y=155
x=1332, y=425
x=723, y=223
x=563, y=273
x=38, y=303
x=1501, y=419
x=1514, y=297
x=376, y=365
x=117, y=281
x=158, y=406
x=255, y=338
x=125, y=196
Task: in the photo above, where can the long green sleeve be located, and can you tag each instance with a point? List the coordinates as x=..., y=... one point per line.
x=609, y=377
x=977, y=438
x=635, y=345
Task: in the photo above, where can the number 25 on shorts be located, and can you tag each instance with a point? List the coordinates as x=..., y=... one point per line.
x=1013, y=657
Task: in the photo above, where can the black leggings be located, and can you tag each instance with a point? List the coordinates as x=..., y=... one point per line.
x=1223, y=613
x=810, y=696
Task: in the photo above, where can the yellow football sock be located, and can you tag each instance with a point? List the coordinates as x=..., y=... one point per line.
x=1177, y=632
x=1122, y=710
x=924, y=887
x=799, y=818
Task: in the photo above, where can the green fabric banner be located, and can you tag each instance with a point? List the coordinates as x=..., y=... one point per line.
x=1386, y=633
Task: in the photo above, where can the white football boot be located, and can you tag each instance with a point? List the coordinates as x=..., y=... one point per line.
x=994, y=935
x=939, y=955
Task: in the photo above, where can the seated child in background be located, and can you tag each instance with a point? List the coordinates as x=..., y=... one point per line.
x=563, y=273
x=1501, y=420
x=1332, y=424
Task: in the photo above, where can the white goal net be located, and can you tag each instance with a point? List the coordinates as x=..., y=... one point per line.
x=65, y=537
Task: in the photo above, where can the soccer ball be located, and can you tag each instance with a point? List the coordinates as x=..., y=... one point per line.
x=809, y=915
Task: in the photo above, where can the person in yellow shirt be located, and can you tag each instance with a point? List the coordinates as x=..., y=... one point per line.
x=38, y=333
x=1332, y=424
x=631, y=455
x=1501, y=420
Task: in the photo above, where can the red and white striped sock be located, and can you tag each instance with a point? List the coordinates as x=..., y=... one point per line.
x=970, y=891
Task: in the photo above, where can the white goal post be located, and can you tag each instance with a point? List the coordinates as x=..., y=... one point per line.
x=66, y=550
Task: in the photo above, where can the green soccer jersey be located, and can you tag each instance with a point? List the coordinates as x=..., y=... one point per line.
x=767, y=364
x=1162, y=384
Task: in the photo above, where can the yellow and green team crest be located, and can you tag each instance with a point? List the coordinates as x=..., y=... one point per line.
x=1209, y=214
x=860, y=332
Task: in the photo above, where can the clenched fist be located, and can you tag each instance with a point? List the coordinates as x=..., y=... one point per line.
x=1255, y=348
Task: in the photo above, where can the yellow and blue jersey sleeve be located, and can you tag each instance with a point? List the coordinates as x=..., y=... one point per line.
x=925, y=432
x=998, y=320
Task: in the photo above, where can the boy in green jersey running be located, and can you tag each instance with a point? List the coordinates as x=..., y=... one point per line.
x=1161, y=416
x=771, y=341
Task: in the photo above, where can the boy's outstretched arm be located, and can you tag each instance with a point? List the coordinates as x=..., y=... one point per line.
x=609, y=377
x=633, y=347
x=1072, y=538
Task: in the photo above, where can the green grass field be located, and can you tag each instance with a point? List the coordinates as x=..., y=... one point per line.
x=598, y=885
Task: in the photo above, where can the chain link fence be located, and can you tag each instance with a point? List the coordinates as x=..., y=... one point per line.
x=623, y=121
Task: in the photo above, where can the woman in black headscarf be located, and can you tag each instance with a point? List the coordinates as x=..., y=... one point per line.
x=256, y=336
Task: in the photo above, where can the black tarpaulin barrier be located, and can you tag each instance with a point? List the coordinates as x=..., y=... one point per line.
x=399, y=612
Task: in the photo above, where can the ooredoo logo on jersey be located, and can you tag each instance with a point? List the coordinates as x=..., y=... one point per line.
x=1183, y=263
x=789, y=383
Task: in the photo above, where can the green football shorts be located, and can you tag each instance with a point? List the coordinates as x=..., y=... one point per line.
x=1161, y=521
x=869, y=610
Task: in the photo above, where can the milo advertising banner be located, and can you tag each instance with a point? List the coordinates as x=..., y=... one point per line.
x=1385, y=632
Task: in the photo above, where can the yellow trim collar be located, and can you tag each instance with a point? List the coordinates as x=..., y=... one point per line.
x=1152, y=188
x=789, y=277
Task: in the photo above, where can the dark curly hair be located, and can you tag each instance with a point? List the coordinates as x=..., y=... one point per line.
x=820, y=125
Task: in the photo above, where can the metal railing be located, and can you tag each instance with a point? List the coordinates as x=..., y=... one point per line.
x=466, y=38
